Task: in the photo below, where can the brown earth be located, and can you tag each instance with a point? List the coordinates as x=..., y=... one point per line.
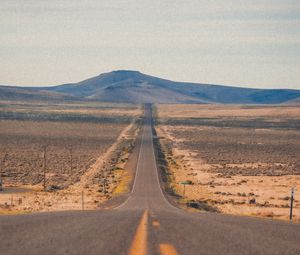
x=99, y=152
x=237, y=170
x=211, y=111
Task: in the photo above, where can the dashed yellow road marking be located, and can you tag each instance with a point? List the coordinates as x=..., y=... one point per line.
x=139, y=243
x=167, y=249
x=155, y=223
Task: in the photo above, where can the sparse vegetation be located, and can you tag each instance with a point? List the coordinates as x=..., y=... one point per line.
x=240, y=158
x=80, y=152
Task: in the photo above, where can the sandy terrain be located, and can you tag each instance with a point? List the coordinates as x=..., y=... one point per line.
x=236, y=170
x=89, y=190
x=99, y=154
x=211, y=111
x=76, y=108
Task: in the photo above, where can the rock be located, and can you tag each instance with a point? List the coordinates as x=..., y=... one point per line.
x=53, y=188
x=252, y=201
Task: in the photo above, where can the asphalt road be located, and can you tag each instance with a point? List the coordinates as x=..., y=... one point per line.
x=146, y=223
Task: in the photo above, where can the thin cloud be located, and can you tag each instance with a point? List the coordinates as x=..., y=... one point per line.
x=153, y=36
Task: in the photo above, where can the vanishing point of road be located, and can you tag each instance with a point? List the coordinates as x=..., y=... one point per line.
x=145, y=224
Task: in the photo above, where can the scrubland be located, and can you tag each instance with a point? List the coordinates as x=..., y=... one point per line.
x=79, y=148
x=239, y=159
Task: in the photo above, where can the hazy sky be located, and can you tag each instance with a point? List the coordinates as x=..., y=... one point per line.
x=252, y=43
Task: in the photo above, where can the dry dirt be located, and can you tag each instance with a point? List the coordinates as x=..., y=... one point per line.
x=98, y=136
x=232, y=111
x=246, y=170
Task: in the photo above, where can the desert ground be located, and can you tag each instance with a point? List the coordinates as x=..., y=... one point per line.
x=240, y=160
x=79, y=148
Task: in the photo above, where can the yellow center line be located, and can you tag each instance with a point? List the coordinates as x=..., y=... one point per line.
x=139, y=243
x=167, y=249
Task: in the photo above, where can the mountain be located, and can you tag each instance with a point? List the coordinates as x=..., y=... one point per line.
x=135, y=87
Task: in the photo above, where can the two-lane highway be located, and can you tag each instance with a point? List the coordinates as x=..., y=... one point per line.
x=145, y=224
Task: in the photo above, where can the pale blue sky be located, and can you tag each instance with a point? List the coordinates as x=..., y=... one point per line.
x=242, y=43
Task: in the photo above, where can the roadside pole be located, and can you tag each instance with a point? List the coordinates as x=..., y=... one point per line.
x=185, y=183
x=1, y=170
x=292, y=202
x=104, y=186
x=45, y=166
x=71, y=159
x=82, y=201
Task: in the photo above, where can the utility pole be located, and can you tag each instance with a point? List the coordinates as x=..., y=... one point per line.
x=292, y=202
x=104, y=186
x=82, y=201
x=45, y=166
x=71, y=159
x=2, y=170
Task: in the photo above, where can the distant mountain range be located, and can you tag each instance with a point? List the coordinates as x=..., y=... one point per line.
x=135, y=87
